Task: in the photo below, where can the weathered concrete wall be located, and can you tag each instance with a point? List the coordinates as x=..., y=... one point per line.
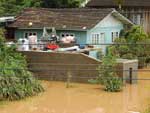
x=54, y=66
x=130, y=77
x=128, y=70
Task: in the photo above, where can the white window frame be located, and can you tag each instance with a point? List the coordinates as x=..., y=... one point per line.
x=65, y=34
x=29, y=33
x=114, y=35
x=101, y=37
x=95, y=38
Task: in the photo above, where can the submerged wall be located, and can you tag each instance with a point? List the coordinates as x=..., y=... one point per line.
x=54, y=66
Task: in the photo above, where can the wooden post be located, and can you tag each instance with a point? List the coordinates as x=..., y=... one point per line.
x=69, y=76
x=130, y=75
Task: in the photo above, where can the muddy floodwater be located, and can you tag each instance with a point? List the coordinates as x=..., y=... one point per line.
x=84, y=98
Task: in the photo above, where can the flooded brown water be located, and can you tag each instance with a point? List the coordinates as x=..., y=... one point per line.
x=84, y=98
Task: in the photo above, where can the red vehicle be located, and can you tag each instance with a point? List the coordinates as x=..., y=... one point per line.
x=52, y=46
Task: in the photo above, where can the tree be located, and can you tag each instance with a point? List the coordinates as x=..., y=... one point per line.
x=12, y=7
x=107, y=74
x=62, y=3
x=16, y=82
x=132, y=45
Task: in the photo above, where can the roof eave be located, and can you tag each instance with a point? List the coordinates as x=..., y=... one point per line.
x=51, y=28
x=121, y=17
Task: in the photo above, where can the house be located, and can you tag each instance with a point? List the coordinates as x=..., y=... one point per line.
x=88, y=26
x=138, y=11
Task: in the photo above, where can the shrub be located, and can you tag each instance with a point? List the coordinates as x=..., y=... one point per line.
x=107, y=75
x=16, y=82
x=113, y=84
x=147, y=110
x=132, y=44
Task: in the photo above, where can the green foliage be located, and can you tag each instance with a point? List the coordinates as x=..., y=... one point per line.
x=99, y=54
x=147, y=110
x=62, y=3
x=132, y=45
x=113, y=83
x=16, y=88
x=16, y=82
x=107, y=75
x=106, y=69
x=13, y=7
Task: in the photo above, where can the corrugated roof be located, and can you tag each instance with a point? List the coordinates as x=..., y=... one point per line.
x=112, y=3
x=60, y=18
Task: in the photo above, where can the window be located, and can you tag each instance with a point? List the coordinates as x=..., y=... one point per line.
x=114, y=36
x=27, y=34
x=95, y=38
x=67, y=34
x=102, y=38
x=98, y=38
x=62, y=35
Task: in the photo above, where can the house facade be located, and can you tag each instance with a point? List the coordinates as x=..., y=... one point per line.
x=138, y=11
x=89, y=26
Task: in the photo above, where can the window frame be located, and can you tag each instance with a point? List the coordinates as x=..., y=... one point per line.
x=28, y=34
x=65, y=34
x=114, y=36
x=101, y=36
x=95, y=38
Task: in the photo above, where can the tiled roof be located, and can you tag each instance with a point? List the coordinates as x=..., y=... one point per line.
x=112, y=3
x=60, y=18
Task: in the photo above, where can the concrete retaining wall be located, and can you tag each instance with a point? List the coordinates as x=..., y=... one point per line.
x=54, y=66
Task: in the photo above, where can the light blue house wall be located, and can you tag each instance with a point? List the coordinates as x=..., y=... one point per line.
x=20, y=33
x=79, y=35
x=108, y=25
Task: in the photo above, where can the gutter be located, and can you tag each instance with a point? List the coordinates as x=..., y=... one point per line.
x=56, y=29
